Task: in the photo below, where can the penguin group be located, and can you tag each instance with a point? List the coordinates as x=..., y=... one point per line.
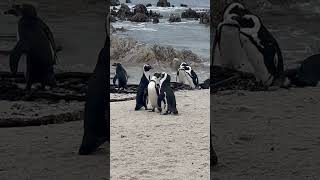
x=242, y=42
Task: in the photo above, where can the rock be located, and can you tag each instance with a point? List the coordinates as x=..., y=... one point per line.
x=114, y=2
x=154, y=14
x=174, y=18
x=155, y=20
x=140, y=8
x=205, y=18
x=114, y=8
x=163, y=3
x=113, y=19
x=189, y=14
x=149, y=5
x=113, y=13
x=124, y=12
x=183, y=5
x=128, y=1
x=139, y=17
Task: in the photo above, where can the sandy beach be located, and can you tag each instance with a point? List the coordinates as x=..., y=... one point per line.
x=49, y=152
x=267, y=135
x=146, y=145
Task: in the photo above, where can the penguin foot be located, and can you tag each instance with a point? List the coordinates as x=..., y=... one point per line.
x=91, y=144
x=138, y=107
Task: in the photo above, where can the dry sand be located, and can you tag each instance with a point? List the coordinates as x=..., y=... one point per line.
x=267, y=135
x=146, y=145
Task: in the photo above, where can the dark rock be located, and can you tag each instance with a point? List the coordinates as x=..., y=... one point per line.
x=139, y=17
x=124, y=12
x=128, y=1
x=205, y=18
x=163, y=3
x=114, y=2
x=149, y=5
x=189, y=14
x=183, y=5
x=114, y=8
x=140, y=8
x=154, y=14
x=113, y=19
x=155, y=20
x=174, y=18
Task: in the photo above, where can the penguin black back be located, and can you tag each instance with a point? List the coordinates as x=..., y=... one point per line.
x=167, y=94
x=120, y=76
x=142, y=94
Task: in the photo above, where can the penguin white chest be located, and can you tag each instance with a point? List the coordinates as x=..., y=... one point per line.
x=256, y=59
x=152, y=94
x=185, y=78
x=231, y=51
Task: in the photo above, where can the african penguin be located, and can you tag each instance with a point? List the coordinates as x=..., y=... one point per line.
x=142, y=94
x=263, y=51
x=228, y=48
x=153, y=91
x=120, y=79
x=167, y=94
x=307, y=74
x=187, y=75
x=33, y=41
x=96, y=111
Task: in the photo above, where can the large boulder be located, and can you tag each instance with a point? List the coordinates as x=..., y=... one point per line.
x=139, y=17
x=124, y=12
x=128, y=1
x=174, y=18
x=114, y=2
x=190, y=14
x=163, y=3
x=140, y=8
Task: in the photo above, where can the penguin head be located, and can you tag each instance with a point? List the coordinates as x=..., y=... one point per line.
x=165, y=77
x=250, y=24
x=182, y=65
x=25, y=10
x=147, y=67
x=234, y=8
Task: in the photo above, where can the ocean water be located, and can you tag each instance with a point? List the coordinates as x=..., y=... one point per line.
x=188, y=34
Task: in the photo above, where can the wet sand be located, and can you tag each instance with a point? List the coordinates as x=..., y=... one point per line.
x=146, y=145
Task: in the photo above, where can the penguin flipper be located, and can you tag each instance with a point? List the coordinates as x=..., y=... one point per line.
x=19, y=49
x=115, y=79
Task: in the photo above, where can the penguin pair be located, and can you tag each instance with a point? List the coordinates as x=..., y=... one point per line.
x=142, y=94
x=243, y=43
x=153, y=91
x=120, y=79
x=186, y=75
x=36, y=41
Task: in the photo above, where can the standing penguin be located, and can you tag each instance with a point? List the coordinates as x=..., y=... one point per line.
x=121, y=78
x=36, y=44
x=186, y=75
x=96, y=112
x=142, y=94
x=166, y=94
x=153, y=91
x=263, y=51
x=228, y=49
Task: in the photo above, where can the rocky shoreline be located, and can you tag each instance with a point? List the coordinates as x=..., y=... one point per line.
x=140, y=13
